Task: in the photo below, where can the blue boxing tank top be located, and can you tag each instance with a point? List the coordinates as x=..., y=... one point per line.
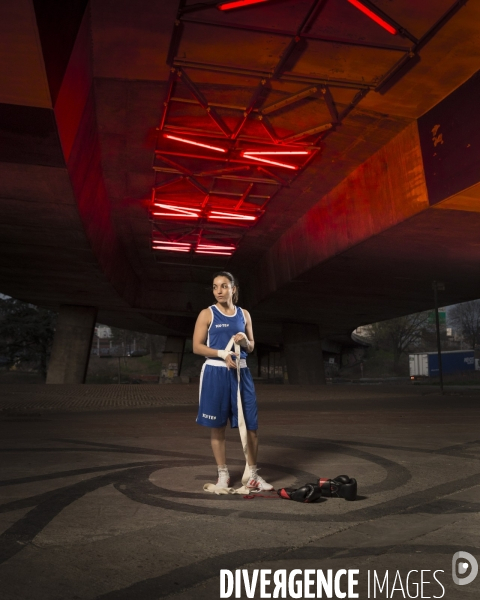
x=223, y=327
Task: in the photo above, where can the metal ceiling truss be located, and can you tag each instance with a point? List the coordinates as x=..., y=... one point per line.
x=190, y=162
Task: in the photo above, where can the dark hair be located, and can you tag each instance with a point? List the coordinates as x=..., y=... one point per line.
x=232, y=280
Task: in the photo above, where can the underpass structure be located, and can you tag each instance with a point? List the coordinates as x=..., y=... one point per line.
x=325, y=151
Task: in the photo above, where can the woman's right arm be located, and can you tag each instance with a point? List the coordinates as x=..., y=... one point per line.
x=200, y=335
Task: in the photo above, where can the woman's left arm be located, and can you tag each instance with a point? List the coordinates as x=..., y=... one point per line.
x=248, y=335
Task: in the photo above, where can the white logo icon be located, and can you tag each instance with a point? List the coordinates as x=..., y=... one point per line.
x=462, y=568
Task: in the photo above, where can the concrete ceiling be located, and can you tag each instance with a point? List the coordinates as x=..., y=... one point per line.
x=346, y=239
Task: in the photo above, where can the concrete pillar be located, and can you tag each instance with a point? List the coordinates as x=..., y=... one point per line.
x=303, y=354
x=173, y=352
x=72, y=344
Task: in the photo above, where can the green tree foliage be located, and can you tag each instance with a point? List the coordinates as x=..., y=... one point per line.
x=26, y=333
x=465, y=317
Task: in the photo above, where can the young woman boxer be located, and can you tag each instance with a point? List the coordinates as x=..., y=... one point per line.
x=218, y=380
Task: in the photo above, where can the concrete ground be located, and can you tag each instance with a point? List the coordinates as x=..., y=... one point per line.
x=101, y=491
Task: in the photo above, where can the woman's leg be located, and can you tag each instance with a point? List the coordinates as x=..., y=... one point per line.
x=249, y=403
x=255, y=481
x=217, y=439
x=252, y=446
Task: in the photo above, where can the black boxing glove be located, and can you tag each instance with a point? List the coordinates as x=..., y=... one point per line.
x=342, y=486
x=310, y=492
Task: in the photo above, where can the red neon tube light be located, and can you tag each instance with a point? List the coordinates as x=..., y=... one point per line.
x=255, y=153
x=175, y=216
x=211, y=252
x=177, y=212
x=373, y=16
x=237, y=4
x=221, y=215
x=216, y=247
x=171, y=248
x=179, y=139
x=270, y=162
x=172, y=243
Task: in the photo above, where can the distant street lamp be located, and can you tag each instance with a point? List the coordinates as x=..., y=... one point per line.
x=438, y=286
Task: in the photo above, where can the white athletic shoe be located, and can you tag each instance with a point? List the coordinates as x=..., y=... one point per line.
x=258, y=483
x=223, y=479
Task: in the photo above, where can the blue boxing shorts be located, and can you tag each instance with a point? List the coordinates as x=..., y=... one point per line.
x=218, y=396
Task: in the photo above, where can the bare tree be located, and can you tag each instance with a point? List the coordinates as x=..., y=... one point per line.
x=400, y=335
x=465, y=317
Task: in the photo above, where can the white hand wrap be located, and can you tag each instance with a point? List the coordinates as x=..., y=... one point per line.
x=223, y=353
x=243, y=342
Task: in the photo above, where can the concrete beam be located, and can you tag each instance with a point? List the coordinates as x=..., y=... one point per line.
x=383, y=191
x=22, y=70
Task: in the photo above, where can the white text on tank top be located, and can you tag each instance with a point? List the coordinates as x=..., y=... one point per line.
x=223, y=327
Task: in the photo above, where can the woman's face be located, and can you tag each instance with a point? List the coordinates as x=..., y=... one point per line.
x=223, y=289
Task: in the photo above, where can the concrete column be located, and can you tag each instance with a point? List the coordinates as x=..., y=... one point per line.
x=72, y=344
x=303, y=354
x=174, y=349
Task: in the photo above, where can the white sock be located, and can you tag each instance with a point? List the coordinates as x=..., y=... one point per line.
x=253, y=471
x=223, y=476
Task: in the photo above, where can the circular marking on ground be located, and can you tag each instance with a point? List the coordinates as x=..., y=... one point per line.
x=147, y=485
